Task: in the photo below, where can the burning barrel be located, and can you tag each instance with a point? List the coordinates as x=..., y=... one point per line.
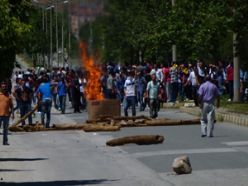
x=97, y=105
x=105, y=107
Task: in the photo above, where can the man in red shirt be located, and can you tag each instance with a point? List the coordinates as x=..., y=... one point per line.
x=6, y=109
x=229, y=74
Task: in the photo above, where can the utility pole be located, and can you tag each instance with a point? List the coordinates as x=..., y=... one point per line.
x=236, y=68
x=43, y=29
x=69, y=35
x=174, y=47
x=62, y=36
x=51, y=39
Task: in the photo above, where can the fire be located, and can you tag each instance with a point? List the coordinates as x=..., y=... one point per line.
x=93, y=86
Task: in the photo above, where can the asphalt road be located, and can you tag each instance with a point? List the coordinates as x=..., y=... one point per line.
x=78, y=158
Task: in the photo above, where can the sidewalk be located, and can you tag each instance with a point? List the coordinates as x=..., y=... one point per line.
x=221, y=115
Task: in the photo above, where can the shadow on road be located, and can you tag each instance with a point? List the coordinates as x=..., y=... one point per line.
x=22, y=159
x=55, y=183
x=12, y=170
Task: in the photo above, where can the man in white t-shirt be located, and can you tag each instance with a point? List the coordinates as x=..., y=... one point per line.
x=193, y=81
x=130, y=90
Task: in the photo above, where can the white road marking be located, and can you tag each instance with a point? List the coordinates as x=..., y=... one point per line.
x=183, y=151
x=236, y=143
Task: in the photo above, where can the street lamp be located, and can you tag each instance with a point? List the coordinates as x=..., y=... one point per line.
x=51, y=36
x=67, y=55
x=62, y=35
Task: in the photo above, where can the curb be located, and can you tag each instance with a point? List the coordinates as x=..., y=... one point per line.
x=237, y=119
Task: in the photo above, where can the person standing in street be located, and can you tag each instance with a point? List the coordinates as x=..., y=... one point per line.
x=230, y=73
x=54, y=82
x=174, y=82
x=152, y=92
x=26, y=95
x=208, y=93
x=45, y=96
x=62, y=94
x=111, y=86
x=141, y=88
x=130, y=92
x=193, y=82
x=76, y=95
x=6, y=109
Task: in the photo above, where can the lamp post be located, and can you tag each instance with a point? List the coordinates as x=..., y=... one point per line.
x=62, y=34
x=69, y=36
x=57, y=35
x=51, y=36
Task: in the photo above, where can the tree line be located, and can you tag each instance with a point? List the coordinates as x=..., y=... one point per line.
x=133, y=31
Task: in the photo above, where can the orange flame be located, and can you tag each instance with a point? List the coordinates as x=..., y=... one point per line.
x=93, y=86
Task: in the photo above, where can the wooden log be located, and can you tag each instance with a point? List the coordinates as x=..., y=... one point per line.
x=160, y=122
x=130, y=117
x=67, y=127
x=101, y=128
x=85, y=127
x=99, y=120
x=35, y=128
x=172, y=122
x=108, y=119
x=29, y=128
x=139, y=140
x=26, y=115
x=16, y=129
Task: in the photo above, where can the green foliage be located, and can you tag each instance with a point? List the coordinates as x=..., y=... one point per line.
x=36, y=41
x=13, y=26
x=200, y=28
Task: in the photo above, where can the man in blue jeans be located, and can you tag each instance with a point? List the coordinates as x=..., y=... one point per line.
x=6, y=109
x=26, y=95
x=62, y=94
x=130, y=98
x=45, y=96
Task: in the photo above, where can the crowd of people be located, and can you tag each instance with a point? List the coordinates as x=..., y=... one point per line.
x=143, y=85
x=177, y=81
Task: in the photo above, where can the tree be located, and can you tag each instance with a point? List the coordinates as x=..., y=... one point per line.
x=13, y=21
x=200, y=29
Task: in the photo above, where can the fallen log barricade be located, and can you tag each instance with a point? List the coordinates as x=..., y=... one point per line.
x=110, y=119
x=158, y=122
x=161, y=122
x=85, y=127
x=26, y=115
x=139, y=140
x=104, y=124
x=28, y=128
x=101, y=128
